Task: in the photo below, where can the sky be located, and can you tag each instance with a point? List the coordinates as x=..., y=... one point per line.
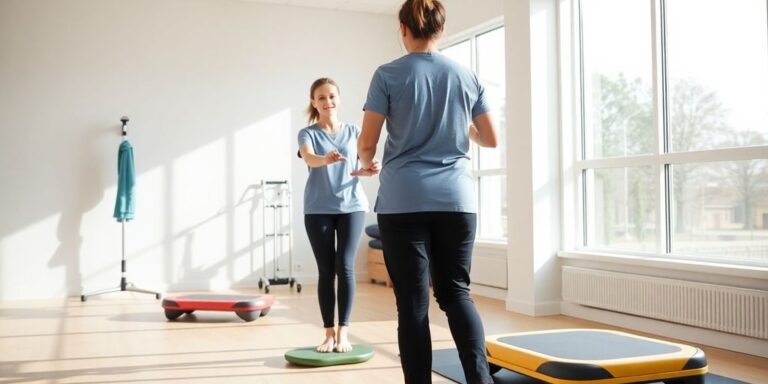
x=722, y=44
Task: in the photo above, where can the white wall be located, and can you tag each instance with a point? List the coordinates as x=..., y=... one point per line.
x=533, y=143
x=462, y=15
x=216, y=91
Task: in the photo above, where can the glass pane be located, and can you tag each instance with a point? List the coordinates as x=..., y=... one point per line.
x=718, y=73
x=492, y=215
x=622, y=208
x=720, y=210
x=618, y=107
x=491, y=71
x=460, y=52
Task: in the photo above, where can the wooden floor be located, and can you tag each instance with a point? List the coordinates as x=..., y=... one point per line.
x=125, y=338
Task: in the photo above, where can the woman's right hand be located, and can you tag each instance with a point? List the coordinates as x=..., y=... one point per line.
x=334, y=157
x=374, y=169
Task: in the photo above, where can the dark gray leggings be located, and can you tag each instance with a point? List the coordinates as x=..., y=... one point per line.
x=334, y=239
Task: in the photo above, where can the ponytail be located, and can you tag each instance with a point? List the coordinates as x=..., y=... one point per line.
x=424, y=18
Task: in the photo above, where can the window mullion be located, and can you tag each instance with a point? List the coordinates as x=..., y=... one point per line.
x=661, y=142
x=581, y=136
x=666, y=204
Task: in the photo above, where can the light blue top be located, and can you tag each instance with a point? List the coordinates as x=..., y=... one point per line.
x=429, y=101
x=330, y=189
x=125, y=206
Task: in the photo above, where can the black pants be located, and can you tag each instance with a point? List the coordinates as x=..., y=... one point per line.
x=417, y=245
x=334, y=240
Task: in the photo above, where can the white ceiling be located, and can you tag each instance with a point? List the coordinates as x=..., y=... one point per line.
x=387, y=7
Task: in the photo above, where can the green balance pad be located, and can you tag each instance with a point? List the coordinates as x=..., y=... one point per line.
x=309, y=356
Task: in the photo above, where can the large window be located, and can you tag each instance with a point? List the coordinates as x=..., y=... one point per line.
x=483, y=52
x=673, y=154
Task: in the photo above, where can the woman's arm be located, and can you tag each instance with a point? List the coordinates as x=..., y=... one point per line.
x=483, y=131
x=369, y=137
x=317, y=161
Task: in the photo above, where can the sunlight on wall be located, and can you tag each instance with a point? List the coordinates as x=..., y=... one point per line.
x=144, y=236
x=101, y=253
x=214, y=103
x=151, y=220
x=198, y=216
x=256, y=148
x=214, y=214
x=198, y=187
x=25, y=253
x=544, y=133
x=151, y=226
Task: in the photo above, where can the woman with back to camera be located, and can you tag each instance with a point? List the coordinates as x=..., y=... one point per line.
x=426, y=203
x=334, y=207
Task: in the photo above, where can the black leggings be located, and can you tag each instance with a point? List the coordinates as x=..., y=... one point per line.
x=334, y=239
x=417, y=245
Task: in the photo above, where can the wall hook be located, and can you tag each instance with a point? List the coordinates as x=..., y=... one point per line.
x=124, y=120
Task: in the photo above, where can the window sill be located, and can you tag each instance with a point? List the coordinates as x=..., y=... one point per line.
x=710, y=268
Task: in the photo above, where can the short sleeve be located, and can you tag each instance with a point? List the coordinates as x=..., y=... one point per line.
x=304, y=138
x=481, y=105
x=378, y=97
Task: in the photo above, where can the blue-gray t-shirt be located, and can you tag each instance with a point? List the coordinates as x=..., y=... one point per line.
x=330, y=189
x=429, y=101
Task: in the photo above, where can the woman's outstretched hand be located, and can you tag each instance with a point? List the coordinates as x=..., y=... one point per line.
x=370, y=171
x=333, y=157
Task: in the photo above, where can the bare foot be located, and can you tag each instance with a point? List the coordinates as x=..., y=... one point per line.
x=329, y=343
x=343, y=344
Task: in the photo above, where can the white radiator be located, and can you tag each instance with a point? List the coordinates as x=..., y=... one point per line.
x=722, y=308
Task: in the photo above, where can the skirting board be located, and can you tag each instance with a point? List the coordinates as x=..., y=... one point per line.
x=547, y=308
x=490, y=292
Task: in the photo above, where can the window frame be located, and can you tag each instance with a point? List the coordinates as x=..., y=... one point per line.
x=471, y=35
x=575, y=189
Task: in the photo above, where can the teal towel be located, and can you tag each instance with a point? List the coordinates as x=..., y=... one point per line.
x=126, y=180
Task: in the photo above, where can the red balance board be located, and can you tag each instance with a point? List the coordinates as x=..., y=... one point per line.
x=247, y=307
